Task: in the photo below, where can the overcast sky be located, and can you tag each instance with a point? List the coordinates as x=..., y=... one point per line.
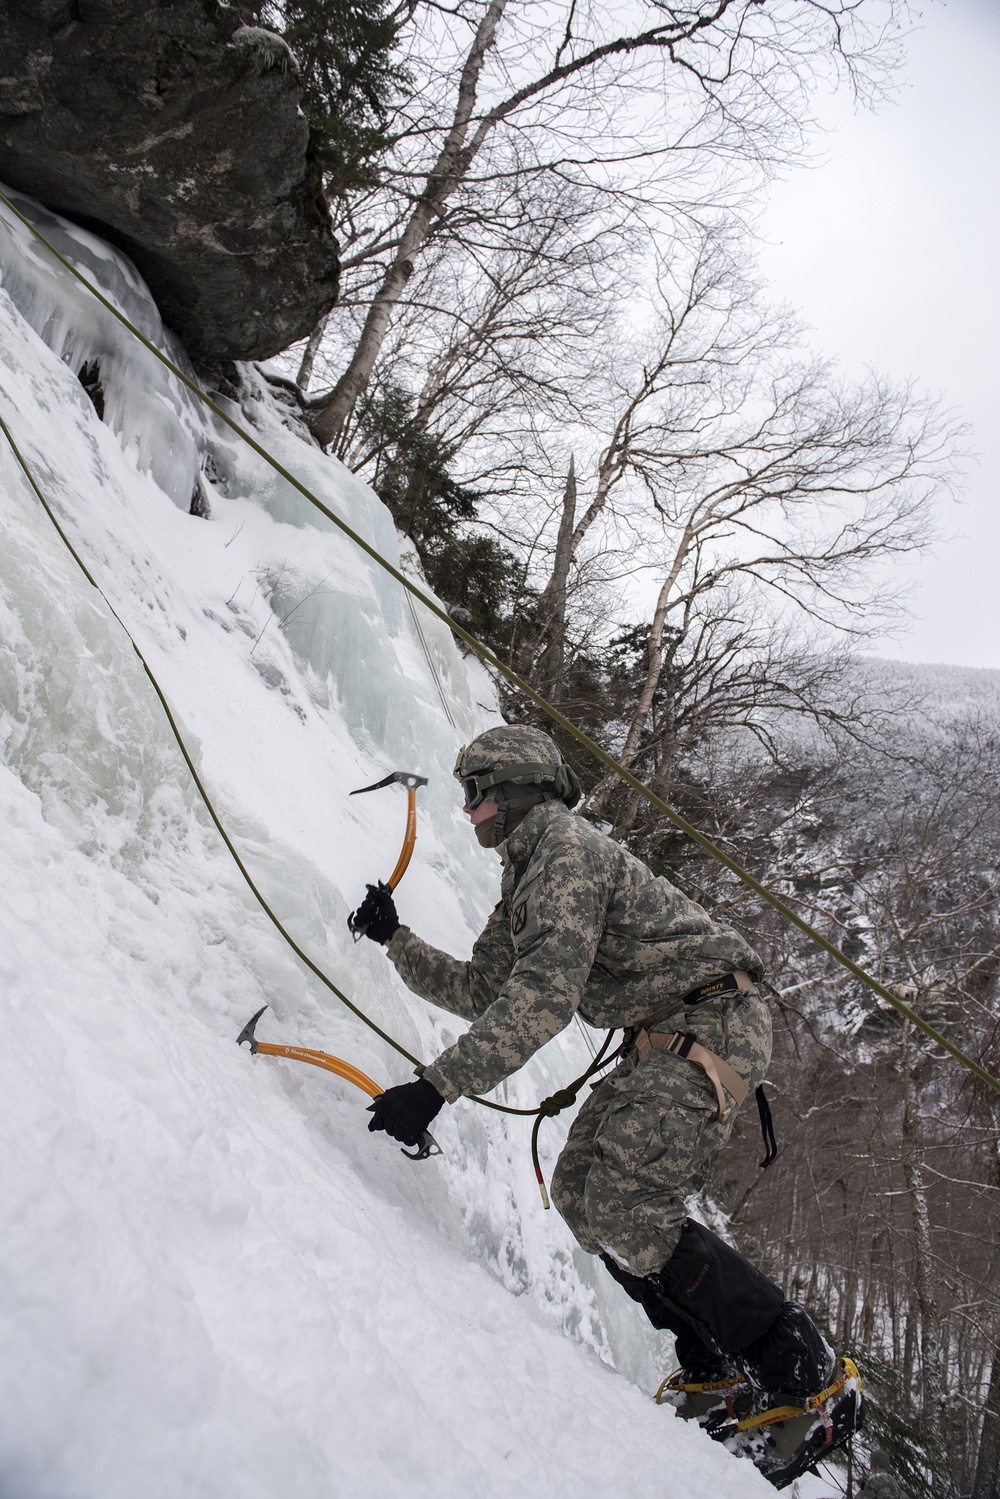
x=890, y=249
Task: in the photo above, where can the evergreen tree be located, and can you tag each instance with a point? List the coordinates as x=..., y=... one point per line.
x=343, y=49
x=409, y=467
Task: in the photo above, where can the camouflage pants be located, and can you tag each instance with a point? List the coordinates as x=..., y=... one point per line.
x=644, y=1138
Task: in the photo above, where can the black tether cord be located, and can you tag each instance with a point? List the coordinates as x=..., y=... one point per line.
x=565, y=1098
x=766, y=1128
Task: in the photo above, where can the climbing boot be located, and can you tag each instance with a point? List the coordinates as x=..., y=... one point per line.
x=708, y=1388
x=784, y=1438
x=791, y=1356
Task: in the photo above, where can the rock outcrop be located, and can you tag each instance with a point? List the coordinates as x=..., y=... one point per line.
x=175, y=131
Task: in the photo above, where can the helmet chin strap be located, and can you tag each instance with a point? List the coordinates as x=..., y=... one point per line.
x=499, y=829
x=499, y=823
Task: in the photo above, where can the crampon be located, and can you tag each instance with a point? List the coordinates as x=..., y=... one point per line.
x=786, y=1440
x=716, y=1405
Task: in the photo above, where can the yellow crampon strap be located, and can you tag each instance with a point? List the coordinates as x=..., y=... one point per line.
x=707, y=1387
x=813, y=1403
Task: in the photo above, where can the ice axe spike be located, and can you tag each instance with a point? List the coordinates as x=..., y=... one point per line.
x=411, y=781
x=428, y=1145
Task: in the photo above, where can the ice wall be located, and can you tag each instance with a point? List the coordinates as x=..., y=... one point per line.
x=296, y=668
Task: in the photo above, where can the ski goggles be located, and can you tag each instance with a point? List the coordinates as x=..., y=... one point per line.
x=477, y=786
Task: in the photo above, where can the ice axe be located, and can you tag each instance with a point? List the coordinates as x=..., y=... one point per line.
x=428, y=1145
x=411, y=782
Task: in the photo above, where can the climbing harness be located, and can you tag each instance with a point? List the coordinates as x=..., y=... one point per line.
x=492, y=660
x=428, y=1145
x=724, y=1079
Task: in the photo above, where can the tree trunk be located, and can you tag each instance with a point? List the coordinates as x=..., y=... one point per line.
x=311, y=350
x=908, y=1369
x=451, y=166
x=987, y=1483
x=898, y=1299
x=848, y=1310
x=551, y=662
x=913, y=1171
x=654, y=671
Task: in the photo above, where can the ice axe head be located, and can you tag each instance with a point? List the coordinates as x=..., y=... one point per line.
x=247, y=1033
x=404, y=778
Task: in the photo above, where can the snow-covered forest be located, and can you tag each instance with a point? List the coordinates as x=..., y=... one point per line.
x=554, y=390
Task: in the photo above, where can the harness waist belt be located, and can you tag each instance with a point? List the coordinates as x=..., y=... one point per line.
x=727, y=984
x=724, y=1078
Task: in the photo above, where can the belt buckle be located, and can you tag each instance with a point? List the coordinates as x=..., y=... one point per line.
x=642, y=1044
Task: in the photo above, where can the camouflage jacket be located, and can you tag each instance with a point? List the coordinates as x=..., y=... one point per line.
x=881, y=1486
x=581, y=925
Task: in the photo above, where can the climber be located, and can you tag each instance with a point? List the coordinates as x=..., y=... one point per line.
x=880, y=1483
x=583, y=925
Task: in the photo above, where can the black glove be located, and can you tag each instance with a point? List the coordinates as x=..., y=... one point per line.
x=376, y=916
x=406, y=1111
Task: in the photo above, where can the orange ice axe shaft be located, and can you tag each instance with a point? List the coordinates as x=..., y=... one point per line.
x=411, y=782
x=428, y=1145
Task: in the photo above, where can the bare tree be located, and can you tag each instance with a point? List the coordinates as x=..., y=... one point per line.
x=496, y=339
x=887, y=1194
x=757, y=486
x=548, y=646
x=566, y=91
x=987, y=1481
x=803, y=492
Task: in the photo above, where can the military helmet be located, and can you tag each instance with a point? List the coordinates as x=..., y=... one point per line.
x=515, y=765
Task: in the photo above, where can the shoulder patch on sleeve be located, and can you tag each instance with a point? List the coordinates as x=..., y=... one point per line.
x=519, y=919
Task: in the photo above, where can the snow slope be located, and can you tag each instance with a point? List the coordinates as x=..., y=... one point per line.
x=214, y=1281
